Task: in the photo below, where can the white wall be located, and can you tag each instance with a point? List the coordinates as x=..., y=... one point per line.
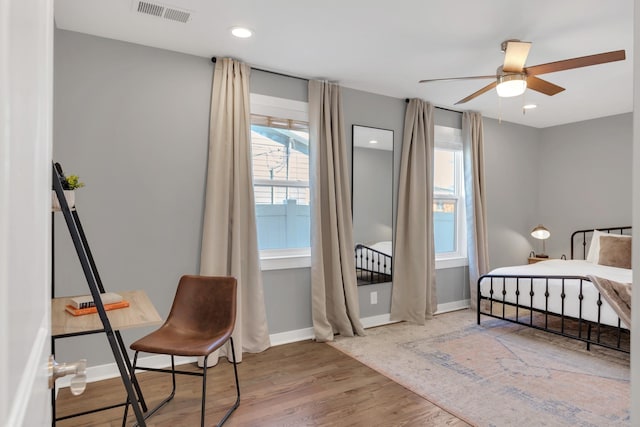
x=26, y=74
x=635, y=320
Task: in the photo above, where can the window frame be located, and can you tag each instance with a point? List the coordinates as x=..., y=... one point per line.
x=286, y=258
x=453, y=143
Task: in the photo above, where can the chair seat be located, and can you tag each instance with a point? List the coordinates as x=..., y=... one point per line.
x=171, y=340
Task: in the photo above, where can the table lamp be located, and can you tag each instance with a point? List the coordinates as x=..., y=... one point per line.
x=540, y=232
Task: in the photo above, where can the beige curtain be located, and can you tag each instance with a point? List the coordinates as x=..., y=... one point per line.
x=414, y=289
x=229, y=240
x=477, y=244
x=334, y=289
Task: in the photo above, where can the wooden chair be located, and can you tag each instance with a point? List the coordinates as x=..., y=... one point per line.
x=201, y=320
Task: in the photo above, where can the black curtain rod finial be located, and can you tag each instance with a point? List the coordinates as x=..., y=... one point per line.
x=213, y=59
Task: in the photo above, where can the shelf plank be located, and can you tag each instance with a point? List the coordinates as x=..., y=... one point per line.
x=140, y=313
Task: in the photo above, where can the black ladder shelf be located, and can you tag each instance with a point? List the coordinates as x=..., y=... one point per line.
x=134, y=395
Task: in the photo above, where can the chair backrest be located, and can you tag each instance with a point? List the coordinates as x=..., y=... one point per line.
x=205, y=305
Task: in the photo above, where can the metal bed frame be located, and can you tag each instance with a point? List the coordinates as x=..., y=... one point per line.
x=372, y=266
x=590, y=332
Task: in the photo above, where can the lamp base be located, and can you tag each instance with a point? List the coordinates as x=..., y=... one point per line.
x=542, y=256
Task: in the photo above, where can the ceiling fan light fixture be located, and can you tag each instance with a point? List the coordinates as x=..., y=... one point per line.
x=511, y=85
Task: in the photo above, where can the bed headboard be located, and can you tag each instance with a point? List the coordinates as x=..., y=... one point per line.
x=583, y=236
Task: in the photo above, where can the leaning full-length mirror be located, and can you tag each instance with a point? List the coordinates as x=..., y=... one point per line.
x=372, y=197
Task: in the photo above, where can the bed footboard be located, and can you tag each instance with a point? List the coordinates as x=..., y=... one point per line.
x=569, y=306
x=372, y=266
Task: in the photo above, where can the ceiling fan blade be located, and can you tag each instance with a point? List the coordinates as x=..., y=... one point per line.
x=568, y=64
x=543, y=86
x=477, y=93
x=515, y=56
x=458, y=78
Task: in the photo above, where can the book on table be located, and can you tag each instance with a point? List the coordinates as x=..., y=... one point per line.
x=89, y=310
x=85, y=301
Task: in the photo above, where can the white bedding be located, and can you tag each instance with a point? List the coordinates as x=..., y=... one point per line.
x=559, y=268
x=386, y=247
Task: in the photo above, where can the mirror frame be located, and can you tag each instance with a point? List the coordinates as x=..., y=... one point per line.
x=373, y=263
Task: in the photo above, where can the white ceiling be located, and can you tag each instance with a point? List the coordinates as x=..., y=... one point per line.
x=385, y=47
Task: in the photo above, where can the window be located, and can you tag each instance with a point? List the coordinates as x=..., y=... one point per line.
x=448, y=196
x=280, y=163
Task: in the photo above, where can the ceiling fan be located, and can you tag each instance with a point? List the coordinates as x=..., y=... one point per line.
x=512, y=78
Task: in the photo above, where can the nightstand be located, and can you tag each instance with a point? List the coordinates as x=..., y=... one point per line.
x=533, y=259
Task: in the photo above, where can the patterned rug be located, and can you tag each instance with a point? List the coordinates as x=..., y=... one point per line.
x=498, y=373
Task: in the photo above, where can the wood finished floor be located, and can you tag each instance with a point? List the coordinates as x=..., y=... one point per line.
x=299, y=384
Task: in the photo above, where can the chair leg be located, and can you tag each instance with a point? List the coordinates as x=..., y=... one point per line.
x=204, y=389
x=168, y=398
x=161, y=404
x=235, y=372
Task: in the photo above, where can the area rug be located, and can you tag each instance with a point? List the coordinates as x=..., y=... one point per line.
x=499, y=373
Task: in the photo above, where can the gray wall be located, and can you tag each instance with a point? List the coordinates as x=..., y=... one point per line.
x=511, y=172
x=132, y=121
x=568, y=177
x=584, y=178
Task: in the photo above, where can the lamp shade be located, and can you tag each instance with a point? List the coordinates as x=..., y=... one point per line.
x=540, y=232
x=511, y=85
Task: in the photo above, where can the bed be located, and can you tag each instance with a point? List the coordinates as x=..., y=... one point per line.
x=565, y=297
x=374, y=262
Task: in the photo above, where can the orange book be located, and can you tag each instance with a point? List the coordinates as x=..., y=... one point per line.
x=89, y=310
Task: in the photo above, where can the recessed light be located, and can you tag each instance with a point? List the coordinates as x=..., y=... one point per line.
x=241, y=32
x=373, y=141
x=529, y=106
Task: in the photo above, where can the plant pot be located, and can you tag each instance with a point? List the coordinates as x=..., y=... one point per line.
x=69, y=195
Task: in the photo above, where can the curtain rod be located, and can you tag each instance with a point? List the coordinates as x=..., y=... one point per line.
x=439, y=108
x=214, y=59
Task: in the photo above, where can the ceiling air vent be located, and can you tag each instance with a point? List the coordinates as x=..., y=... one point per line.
x=177, y=15
x=162, y=11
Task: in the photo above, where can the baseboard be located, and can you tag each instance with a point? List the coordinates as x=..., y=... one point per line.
x=385, y=319
x=379, y=320
x=110, y=370
x=291, y=336
x=453, y=306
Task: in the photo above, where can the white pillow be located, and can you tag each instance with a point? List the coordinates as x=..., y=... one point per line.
x=594, y=248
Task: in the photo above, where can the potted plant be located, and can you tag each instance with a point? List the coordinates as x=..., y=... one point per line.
x=69, y=185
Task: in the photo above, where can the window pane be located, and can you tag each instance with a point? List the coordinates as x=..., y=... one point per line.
x=281, y=185
x=444, y=225
x=270, y=195
x=444, y=172
x=280, y=154
x=284, y=223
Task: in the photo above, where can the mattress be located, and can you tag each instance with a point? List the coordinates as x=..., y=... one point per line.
x=557, y=267
x=385, y=247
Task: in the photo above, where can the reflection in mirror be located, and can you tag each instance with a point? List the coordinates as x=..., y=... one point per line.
x=372, y=199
